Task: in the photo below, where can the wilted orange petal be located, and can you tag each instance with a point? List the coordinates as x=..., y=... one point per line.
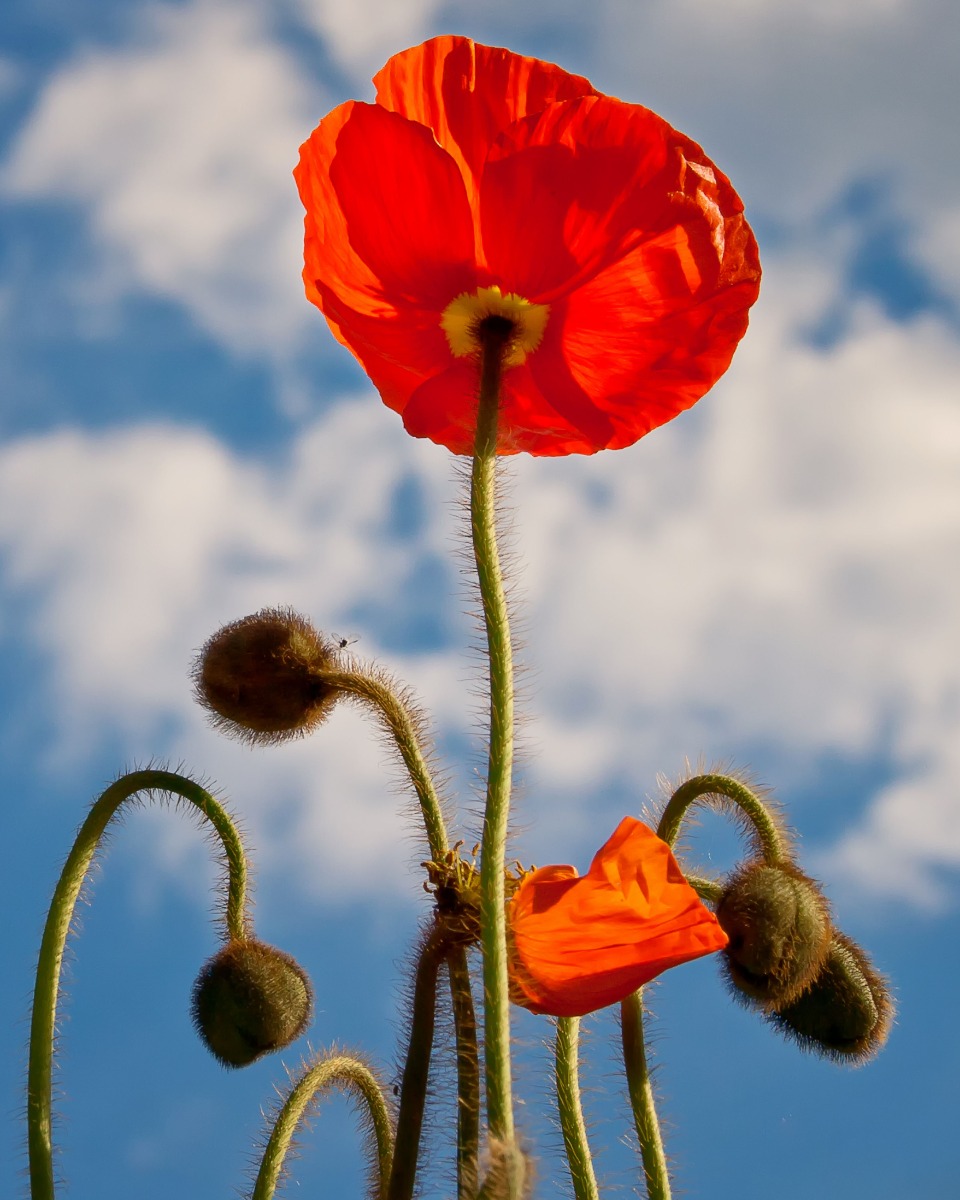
x=582, y=944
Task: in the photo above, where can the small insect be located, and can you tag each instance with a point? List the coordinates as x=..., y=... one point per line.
x=343, y=642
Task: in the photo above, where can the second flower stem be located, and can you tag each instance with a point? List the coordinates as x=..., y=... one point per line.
x=641, y=1099
x=500, y=765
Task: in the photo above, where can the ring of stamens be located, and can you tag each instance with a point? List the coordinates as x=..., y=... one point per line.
x=518, y=321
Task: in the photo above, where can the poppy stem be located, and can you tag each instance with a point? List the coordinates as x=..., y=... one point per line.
x=468, y=1075
x=571, y=1113
x=416, y=1069
x=641, y=1098
x=343, y=1072
x=405, y=723
x=57, y=929
x=494, y=336
x=727, y=794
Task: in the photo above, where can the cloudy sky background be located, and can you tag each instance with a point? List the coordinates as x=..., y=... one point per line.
x=769, y=581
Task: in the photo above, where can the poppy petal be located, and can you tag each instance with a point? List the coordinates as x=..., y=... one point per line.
x=481, y=171
x=582, y=944
x=388, y=223
x=637, y=346
x=569, y=190
x=467, y=93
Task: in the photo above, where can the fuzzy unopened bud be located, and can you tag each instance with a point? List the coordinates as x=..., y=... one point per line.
x=261, y=677
x=847, y=1013
x=778, y=923
x=249, y=1000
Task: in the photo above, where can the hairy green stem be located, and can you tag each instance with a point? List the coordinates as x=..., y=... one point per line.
x=571, y=1113
x=403, y=723
x=707, y=889
x=770, y=837
x=468, y=1075
x=493, y=340
x=346, y=1073
x=416, y=1070
x=641, y=1098
x=57, y=929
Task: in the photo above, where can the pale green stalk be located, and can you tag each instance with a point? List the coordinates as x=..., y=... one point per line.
x=403, y=722
x=571, y=1113
x=500, y=764
x=46, y=990
x=340, y=1071
x=641, y=1099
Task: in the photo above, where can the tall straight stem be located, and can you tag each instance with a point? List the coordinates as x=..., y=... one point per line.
x=468, y=1074
x=500, y=764
x=567, y=1074
x=641, y=1099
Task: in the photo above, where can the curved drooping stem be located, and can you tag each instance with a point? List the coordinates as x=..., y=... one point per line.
x=567, y=1073
x=404, y=724
x=640, y=1088
x=57, y=929
x=345, y=1072
x=494, y=335
x=726, y=792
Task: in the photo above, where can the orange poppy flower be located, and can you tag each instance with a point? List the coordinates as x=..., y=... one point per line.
x=579, y=944
x=483, y=183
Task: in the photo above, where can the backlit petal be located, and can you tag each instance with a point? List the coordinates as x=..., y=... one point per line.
x=479, y=172
x=467, y=93
x=388, y=223
x=570, y=190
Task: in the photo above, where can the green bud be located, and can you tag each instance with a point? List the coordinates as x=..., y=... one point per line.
x=778, y=923
x=846, y=1014
x=261, y=678
x=249, y=1000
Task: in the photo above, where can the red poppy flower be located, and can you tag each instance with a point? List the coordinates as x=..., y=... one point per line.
x=579, y=944
x=484, y=183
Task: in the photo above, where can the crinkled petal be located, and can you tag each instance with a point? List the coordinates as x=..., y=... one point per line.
x=467, y=93
x=572, y=189
x=582, y=944
x=636, y=345
x=388, y=223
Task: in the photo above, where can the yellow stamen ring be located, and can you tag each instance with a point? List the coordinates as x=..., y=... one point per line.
x=462, y=317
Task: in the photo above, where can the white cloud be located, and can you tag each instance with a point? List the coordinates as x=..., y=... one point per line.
x=181, y=147
x=138, y=544
x=797, y=101
x=364, y=34
x=778, y=568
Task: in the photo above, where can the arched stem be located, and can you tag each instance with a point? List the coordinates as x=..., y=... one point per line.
x=346, y=1073
x=403, y=723
x=730, y=792
x=57, y=929
x=640, y=1088
x=574, y=1130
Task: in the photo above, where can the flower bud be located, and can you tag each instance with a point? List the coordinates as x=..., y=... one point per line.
x=847, y=1012
x=778, y=923
x=249, y=1000
x=261, y=677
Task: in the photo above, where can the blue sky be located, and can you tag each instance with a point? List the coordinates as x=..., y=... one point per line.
x=770, y=581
